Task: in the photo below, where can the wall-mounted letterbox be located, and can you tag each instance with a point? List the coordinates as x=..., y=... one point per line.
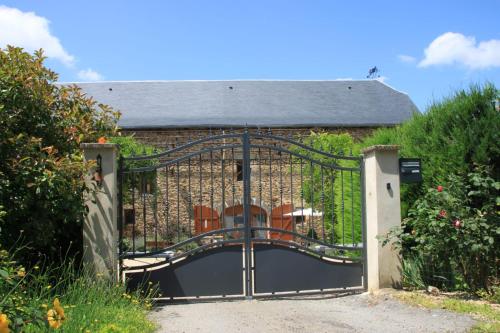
x=410, y=170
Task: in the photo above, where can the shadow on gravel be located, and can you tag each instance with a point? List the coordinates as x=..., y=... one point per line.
x=298, y=297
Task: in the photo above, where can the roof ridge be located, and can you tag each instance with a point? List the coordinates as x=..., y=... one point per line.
x=217, y=80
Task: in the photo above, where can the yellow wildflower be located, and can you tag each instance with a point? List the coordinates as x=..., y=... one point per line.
x=59, y=308
x=56, y=316
x=21, y=272
x=54, y=322
x=4, y=323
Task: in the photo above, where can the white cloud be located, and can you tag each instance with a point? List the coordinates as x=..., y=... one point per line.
x=89, y=75
x=406, y=58
x=454, y=48
x=31, y=32
x=382, y=79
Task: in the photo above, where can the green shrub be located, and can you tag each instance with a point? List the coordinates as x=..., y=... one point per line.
x=129, y=146
x=41, y=165
x=456, y=227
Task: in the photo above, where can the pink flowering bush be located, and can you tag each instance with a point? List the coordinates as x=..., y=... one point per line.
x=456, y=226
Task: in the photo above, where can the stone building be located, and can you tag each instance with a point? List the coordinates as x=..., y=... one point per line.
x=168, y=114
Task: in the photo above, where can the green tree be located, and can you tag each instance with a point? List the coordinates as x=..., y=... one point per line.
x=41, y=165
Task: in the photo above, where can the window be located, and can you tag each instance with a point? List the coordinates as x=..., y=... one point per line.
x=239, y=170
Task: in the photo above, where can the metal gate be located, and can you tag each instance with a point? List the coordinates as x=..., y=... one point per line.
x=243, y=215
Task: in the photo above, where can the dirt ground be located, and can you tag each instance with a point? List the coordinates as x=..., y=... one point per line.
x=352, y=313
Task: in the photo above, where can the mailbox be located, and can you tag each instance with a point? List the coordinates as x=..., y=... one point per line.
x=410, y=170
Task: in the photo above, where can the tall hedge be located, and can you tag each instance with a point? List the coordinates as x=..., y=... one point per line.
x=451, y=137
x=41, y=165
x=341, y=201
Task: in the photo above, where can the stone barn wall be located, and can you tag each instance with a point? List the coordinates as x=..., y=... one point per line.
x=169, y=138
x=166, y=214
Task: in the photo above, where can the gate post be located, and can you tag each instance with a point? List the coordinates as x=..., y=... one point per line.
x=383, y=212
x=100, y=228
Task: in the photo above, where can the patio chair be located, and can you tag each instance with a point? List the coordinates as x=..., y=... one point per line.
x=205, y=219
x=279, y=220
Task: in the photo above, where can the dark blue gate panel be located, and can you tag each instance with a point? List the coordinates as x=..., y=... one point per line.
x=279, y=268
x=214, y=272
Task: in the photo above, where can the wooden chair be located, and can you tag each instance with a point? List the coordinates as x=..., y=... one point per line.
x=281, y=221
x=205, y=219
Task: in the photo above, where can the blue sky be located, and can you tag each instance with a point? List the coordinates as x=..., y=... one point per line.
x=205, y=40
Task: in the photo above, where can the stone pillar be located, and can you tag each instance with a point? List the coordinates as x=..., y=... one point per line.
x=100, y=228
x=383, y=212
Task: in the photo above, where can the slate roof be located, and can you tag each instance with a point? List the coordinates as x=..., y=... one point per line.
x=165, y=104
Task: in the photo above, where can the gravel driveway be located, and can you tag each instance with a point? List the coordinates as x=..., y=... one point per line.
x=353, y=313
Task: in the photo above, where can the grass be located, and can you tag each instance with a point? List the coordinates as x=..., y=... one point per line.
x=91, y=302
x=487, y=315
x=96, y=304
x=99, y=305
x=112, y=317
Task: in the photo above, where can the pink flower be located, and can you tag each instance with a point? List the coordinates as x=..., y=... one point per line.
x=440, y=188
x=442, y=213
x=457, y=224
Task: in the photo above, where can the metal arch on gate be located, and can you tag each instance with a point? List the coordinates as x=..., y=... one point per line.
x=242, y=215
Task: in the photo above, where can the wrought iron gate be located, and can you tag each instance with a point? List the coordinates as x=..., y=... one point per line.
x=243, y=214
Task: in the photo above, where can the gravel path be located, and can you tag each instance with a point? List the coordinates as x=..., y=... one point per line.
x=354, y=313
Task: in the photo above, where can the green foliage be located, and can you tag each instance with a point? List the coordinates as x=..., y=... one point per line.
x=144, y=181
x=89, y=303
x=493, y=296
x=412, y=271
x=129, y=146
x=343, y=203
x=14, y=302
x=458, y=228
x=41, y=165
x=450, y=137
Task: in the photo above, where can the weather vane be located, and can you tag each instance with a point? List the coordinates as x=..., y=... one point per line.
x=373, y=73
